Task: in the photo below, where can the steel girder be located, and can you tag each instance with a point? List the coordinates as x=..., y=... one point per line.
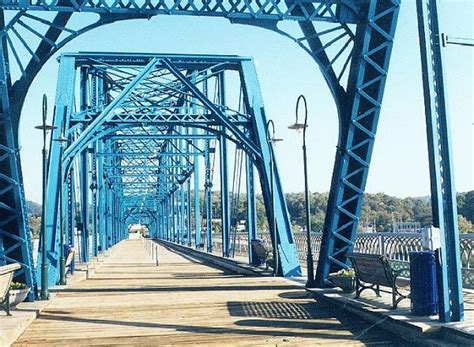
x=359, y=107
x=443, y=190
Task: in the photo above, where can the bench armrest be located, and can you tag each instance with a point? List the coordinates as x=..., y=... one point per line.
x=401, y=281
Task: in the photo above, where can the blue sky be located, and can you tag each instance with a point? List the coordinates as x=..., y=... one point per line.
x=399, y=165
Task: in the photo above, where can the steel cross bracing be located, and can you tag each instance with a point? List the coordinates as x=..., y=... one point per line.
x=350, y=41
x=140, y=169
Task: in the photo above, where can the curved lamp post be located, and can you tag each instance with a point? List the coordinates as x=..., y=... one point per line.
x=271, y=139
x=44, y=295
x=302, y=126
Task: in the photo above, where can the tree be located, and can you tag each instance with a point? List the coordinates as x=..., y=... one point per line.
x=465, y=226
x=466, y=205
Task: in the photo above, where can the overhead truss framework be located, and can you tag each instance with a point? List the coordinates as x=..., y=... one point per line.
x=138, y=129
x=351, y=41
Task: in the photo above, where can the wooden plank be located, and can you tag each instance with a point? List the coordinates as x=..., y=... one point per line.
x=129, y=300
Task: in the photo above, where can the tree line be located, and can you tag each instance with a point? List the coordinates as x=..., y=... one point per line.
x=379, y=210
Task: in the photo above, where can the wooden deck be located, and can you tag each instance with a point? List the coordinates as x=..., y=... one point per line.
x=129, y=300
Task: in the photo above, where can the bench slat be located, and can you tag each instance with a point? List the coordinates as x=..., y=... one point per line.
x=375, y=270
x=372, y=270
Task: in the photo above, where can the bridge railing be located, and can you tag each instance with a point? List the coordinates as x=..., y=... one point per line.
x=396, y=246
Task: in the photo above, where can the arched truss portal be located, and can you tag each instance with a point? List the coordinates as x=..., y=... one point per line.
x=350, y=40
x=135, y=129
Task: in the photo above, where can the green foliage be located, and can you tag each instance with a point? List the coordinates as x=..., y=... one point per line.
x=466, y=205
x=379, y=208
x=33, y=208
x=35, y=225
x=465, y=226
x=17, y=285
x=345, y=273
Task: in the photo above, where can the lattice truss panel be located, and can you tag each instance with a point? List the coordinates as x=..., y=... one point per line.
x=136, y=128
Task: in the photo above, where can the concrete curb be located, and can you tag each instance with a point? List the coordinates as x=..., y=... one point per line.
x=214, y=260
x=418, y=332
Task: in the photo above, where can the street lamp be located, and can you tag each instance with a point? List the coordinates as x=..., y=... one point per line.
x=44, y=261
x=271, y=141
x=62, y=262
x=302, y=126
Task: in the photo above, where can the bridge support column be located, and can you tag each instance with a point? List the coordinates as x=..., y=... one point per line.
x=443, y=191
x=182, y=216
x=101, y=200
x=359, y=109
x=225, y=208
x=84, y=184
x=251, y=208
x=286, y=248
x=197, y=207
x=208, y=196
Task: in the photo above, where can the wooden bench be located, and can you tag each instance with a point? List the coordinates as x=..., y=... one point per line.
x=263, y=252
x=6, y=276
x=373, y=271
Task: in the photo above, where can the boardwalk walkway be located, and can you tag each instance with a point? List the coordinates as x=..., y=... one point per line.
x=129, y=300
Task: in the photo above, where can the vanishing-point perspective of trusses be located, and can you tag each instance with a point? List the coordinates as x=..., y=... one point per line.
x=137, y=136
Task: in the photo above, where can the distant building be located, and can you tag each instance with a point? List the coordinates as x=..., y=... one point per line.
x=407, y=227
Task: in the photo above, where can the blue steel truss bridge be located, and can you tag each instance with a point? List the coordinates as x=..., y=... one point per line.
x=135, y=129
x=144, y=126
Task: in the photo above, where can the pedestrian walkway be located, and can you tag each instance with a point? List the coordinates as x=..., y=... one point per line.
x=129, y=300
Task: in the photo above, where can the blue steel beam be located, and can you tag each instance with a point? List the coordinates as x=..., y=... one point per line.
x=324, y=10
x=443, y=190
x=15, y=240
x=251, y=208
x=197, y=206
x=84, y=192
x=225, y=207
x=208, y=197
x=285, y=242
x=224, y=176
x=359, y=110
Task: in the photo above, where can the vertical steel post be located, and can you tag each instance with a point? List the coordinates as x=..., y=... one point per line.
x=197, y=207
x=224, y=177
x=188, y=211
x=173, y=214
x=101, y=198
x=251, y=208
x=182, y=214
x=443, y=192
x=62, y=259
x=94, y=187
x=286, y=248
x=84, y=168
x=208, y=196
x=225, y=211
